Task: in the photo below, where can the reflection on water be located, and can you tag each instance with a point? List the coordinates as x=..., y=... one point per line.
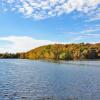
x=41, y=80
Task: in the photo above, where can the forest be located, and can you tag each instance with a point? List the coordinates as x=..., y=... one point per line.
x=9, y=55
x=79, y=51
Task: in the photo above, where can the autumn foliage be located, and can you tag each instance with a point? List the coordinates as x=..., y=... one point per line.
x=64, y=52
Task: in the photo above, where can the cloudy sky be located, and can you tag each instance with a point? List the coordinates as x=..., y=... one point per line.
x=26, y=24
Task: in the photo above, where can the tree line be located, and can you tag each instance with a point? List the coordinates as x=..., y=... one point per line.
x=64, y=52
x=9, y=55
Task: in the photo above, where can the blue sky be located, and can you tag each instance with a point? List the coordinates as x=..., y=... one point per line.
x=36, y=23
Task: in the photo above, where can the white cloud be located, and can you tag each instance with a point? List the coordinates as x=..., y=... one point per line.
x=86, y=38
x=76, y=39
x=94, y=18
x=41, y=9
x=21, y=43
x=87, y=35
x=92, y=30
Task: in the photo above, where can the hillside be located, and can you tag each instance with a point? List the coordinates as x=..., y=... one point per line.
x=64, y=52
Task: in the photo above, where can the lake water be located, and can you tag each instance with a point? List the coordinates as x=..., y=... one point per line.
x=42, y=80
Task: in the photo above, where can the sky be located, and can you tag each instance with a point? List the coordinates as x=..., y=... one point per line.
x=26, y=24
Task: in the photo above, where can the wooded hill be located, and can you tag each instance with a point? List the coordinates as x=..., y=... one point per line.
x=64, y=52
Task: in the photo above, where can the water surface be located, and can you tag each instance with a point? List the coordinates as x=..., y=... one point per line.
x=42, y=80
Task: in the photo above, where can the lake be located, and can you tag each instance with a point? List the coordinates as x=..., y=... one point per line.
x=43, y=80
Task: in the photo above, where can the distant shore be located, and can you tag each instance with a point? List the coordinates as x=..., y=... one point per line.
x=59, y=52
x=64, y=52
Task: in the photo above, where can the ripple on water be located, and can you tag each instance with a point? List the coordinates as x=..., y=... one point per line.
x=37, y=80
